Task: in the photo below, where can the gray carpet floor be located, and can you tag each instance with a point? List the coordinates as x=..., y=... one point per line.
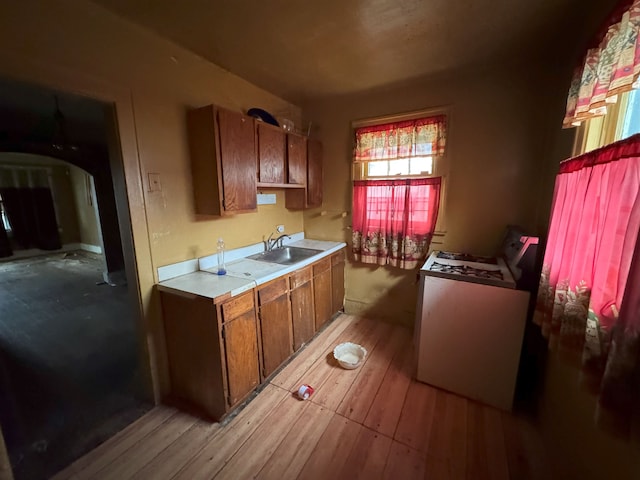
x=69, y=375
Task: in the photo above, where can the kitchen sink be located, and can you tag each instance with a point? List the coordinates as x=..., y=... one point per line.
x=285, y=255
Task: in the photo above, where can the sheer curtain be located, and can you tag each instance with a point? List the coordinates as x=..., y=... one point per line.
x=394, y=220
x=585, y=280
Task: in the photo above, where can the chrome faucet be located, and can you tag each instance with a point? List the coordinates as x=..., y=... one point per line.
x=270, y=243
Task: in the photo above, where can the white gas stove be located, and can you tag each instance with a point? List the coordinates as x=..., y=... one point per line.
x=469, y=268
x=470, y=321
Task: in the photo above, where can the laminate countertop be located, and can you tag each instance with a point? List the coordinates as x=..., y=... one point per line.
x=244, y=274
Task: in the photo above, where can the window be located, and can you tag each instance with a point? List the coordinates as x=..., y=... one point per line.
x=402, y=149
x=406, y=167
x=396, y=192
x=621, y=121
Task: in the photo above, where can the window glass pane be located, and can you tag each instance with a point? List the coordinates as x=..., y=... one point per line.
x=399, y=167
x=420, y=165
x=377, y=169
x=632, y=115
x=594, y=127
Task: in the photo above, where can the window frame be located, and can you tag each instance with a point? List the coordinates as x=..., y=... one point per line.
x=363, y=167
x=441, y=163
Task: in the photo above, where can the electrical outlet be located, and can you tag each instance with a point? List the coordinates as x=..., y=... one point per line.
x=280, y=228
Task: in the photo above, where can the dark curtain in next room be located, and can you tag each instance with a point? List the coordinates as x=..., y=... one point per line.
x=32, y=217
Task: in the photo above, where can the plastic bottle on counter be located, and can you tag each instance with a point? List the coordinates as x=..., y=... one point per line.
x=222, y=269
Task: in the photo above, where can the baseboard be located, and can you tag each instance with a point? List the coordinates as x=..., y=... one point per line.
x=84, y=246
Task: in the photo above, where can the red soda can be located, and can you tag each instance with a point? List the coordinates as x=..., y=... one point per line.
x=305, y=391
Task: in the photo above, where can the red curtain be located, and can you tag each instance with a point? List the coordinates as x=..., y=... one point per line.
x=406, y=139
x=592, y=238
x=394, y=220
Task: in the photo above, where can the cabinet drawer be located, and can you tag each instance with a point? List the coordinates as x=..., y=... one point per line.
x=272, y=290
x=237, y=306
x=337, y=257
x=321, y=266
x=300, y=277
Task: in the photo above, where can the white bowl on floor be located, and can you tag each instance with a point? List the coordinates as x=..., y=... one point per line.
x=349, y=355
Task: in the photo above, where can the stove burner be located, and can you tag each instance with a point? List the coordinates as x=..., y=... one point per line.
x=467, y=270
x=465, y=257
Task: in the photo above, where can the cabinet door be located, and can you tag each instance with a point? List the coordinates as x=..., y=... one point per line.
x=322, y=292
x=314, y=173
x=296, y=159
x=275, y=325
x=241, y=353
x=302, y=314
x=337, y=282
x=238, y=161
x=205, y=168
x=271, y=154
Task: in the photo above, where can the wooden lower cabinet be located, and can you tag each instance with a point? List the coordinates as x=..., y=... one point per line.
x=212, y=350
x=241, y=354
x=220, y=350
x=275, y=324
x=337, y=281
x=322, y=292
x=302, y=310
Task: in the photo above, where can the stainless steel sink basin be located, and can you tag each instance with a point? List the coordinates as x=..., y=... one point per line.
x=285, y=255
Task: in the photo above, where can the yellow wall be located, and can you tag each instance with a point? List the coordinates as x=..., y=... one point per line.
x=87, y=219
x=493, y=174
x=176, y=232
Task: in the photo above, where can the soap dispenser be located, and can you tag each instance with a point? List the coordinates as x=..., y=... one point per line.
x=222, y=270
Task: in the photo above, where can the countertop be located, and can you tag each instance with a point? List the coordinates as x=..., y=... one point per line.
x=243, y=274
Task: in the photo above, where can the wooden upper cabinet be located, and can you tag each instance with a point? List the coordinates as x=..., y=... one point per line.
x=314, y=173
x=238, y=160
x=271, y=153
x=311, y=196
x=296, y=159
x=223, y=161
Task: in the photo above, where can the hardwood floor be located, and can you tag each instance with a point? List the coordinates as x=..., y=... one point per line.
x=372, y=422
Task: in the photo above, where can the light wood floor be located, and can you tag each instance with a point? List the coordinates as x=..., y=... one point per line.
x=372, y=422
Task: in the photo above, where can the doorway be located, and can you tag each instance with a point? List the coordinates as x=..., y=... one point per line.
x=70, y=365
